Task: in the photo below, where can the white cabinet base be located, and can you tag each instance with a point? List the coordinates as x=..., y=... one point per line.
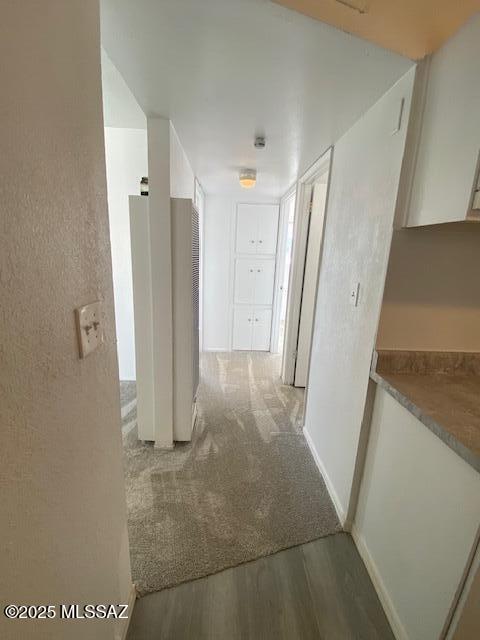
x=251, y=329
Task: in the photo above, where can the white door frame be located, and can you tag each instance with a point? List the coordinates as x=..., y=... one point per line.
x=300, y=232
x=280, y=266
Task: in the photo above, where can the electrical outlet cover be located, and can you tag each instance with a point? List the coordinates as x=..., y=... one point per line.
x=89, y=328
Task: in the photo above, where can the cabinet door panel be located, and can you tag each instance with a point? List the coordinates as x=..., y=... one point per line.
x=447, y=154
x=267, y=228
x=242, y=329
x=262, y=320
x=244, y=289
x=264, y=271
x=247, y=227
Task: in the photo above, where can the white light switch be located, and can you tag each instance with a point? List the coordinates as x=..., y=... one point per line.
x=354, y=295
x=89, y=328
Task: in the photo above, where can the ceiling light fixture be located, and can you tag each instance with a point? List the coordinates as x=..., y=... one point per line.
x=248, y=178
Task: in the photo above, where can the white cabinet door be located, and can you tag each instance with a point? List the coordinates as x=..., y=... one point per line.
x=242, y=328
x=264, y=271
x=247, y=227
x=267, y=228
x=257, y=228
x=262, y=320
x=245, y=272
x=447, y=154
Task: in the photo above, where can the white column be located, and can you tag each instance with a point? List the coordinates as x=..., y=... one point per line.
x=158, y=131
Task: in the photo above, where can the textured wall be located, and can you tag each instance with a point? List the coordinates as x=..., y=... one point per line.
x=363, y=192
x=63, y=524
x=432, y=293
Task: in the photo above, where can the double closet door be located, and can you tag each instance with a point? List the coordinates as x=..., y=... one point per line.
x=255, y=250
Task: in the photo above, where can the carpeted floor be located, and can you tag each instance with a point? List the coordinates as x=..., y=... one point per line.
x=245, y=487
x=128, y=403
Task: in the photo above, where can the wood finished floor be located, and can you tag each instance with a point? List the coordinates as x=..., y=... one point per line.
x=317, y=590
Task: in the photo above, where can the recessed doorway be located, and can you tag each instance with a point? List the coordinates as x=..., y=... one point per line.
x=308, y=231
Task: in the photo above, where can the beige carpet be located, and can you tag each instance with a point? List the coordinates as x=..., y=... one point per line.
x=245, y=487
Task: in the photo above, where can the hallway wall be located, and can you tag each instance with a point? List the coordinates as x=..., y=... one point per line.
x=126, y=152
x=63, y=524
x=363, y=192
x=126, y=160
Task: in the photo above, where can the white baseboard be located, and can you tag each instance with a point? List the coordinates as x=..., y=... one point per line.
x=123, y=629
x=397, y=627
x=331, y=490
x=163, y=446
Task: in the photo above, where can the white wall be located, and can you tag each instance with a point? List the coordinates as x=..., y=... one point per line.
x=182, y=178
x=219, y=229
x=432, y=294
x=161, y=278
x=120, y=107
x=63, y=526
x=363, y=190
x=417, y=518
x=126, y=158
x=126, y=153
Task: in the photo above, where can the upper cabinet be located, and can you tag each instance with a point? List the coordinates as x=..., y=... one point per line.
x=445, y=170
x=256, y=228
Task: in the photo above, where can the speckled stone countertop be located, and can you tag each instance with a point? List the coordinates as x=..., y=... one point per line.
x=441, y=390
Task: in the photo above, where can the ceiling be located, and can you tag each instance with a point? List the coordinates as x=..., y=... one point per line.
x=413, y=28
x=225, y=70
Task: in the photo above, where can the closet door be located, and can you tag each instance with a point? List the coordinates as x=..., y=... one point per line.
x=267, y=228
x=242, y=328
x=247, y=227
x=264, y=271
x=244, y=289
x=262, y=321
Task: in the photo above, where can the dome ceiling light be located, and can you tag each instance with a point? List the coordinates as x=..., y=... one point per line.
x=248, y=178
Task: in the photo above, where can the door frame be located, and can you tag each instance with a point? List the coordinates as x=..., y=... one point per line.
x=304, y=188
x=280, y=266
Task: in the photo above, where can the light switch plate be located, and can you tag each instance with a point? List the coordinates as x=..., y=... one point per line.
x=354, y=295
x=89, y=328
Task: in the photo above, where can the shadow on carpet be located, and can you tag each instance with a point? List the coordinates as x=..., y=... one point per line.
x=245, y=487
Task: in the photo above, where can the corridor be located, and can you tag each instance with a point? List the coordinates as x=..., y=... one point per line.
x=246, y=485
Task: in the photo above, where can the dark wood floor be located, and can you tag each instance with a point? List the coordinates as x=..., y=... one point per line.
x=317, y=590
